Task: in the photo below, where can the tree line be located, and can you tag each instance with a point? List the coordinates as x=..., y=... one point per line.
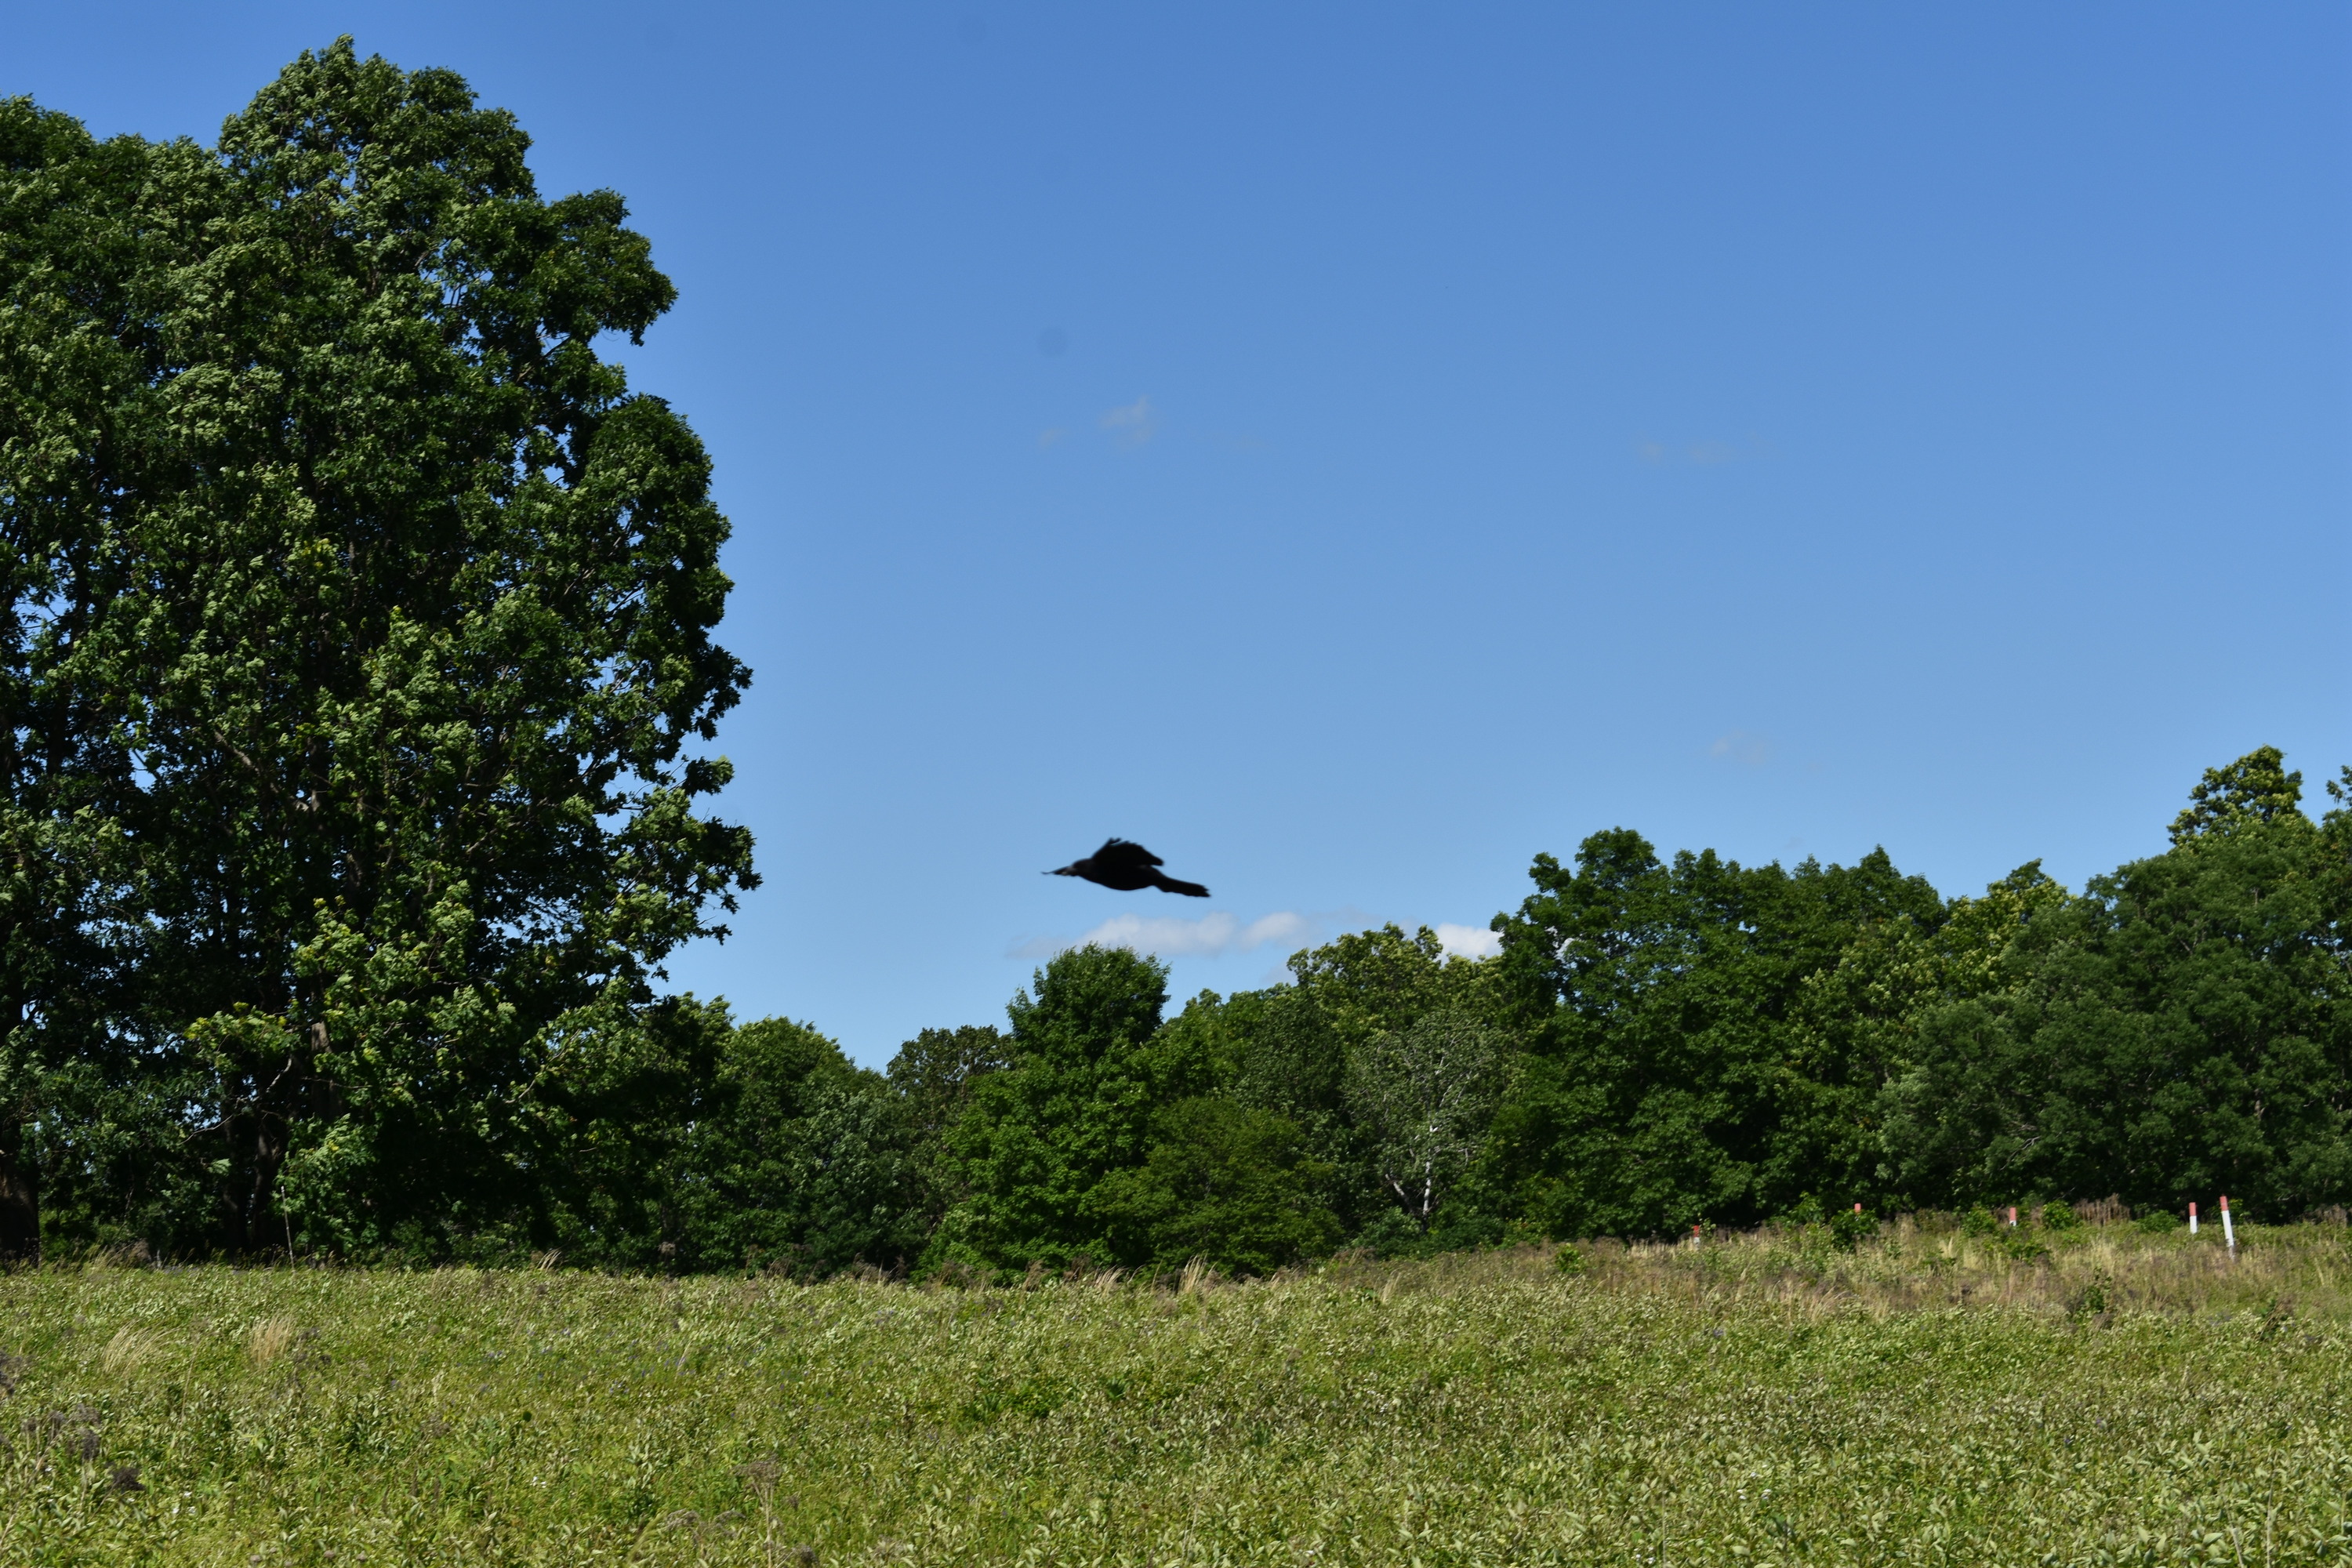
x=357, y=665
x=1659, y=1044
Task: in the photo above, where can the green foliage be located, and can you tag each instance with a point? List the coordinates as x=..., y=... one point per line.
x=799, y=1163
x=2060, y=1216
x=2022, y=1245
x=1681, y=1071
x=386, y=615
x=1037, y=1143
x=69, y=892
x=1223, y=1183
x=1345, y=1050
x=1370, y=983
x=934, y=1073
x=931, y=1078
x=1849, y=1228
x=2253, y=790
x=1422, y=1098
x=2181, y=1029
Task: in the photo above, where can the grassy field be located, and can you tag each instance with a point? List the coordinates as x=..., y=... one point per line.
x=1928, y=1398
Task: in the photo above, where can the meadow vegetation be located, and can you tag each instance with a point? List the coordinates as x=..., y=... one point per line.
x=1931, y=1392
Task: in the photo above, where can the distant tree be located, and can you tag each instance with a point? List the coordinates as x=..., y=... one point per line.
x=1681, y=1070
x=1232, y=1186
x=1422, y=1097
x=1368, y=982
x=2254, y=789
x=2183, y=1029
x=1038, y=1143
x=1858, y=1032
x=932, y=1077
x=934, y=1072
x=1289, y=1060
x=799, y=1163
x=1290, y=1047
x=633, y=1096
x=69, y=874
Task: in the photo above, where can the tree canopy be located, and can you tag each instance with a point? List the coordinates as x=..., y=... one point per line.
x=361, y=643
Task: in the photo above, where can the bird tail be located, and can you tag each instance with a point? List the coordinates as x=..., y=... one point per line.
x=1170, y=885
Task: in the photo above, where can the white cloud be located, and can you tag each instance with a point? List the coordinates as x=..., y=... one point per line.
x=1135, y=424
x=1172, y=936
x=1217, y=933
x=1469, y=941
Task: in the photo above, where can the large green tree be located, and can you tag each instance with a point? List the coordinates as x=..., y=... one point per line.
x=1037, y=1144
x=797, y=1161
x=1329, y=1053
x=405, y=638
x=1680, y=1072
x=932, y=1077
x=2184, y=1028
x=76, y=354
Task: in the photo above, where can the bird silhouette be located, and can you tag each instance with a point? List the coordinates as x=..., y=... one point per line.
x=1123, y=867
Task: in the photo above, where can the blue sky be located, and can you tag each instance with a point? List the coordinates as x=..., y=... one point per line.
x=1352, y=448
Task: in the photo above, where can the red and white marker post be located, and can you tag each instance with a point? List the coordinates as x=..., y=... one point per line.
x=2193, y=1219
x=2228, y=1231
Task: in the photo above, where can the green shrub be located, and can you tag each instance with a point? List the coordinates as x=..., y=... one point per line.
x=1571, y=1260
x=1849, y=1229
x=2091, y=1300
x=1392, y=1234
x=2158, y=1222
x=1978, y=1222
x=2060, y=1216
x=2022, y=1245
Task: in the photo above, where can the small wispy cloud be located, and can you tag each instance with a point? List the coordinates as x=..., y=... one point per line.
x=1052, y=436
x=1212, y=935
x=1217, y=933
x=1134, y=424
x=1468, y=941
x=1743, y=746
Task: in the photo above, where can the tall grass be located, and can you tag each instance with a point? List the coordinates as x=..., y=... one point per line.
x=1927, y=1396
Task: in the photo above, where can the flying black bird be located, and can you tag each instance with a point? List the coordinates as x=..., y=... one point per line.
x=1125, y=867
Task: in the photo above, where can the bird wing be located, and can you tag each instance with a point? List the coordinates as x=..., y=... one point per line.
x=1122, y=852
x=1170, y=885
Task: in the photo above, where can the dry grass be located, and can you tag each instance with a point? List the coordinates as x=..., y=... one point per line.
x=129, y=1350
x=270, y=1338
x=1912, y=1266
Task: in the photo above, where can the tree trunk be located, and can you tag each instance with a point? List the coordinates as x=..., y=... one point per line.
x=20, y=1197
